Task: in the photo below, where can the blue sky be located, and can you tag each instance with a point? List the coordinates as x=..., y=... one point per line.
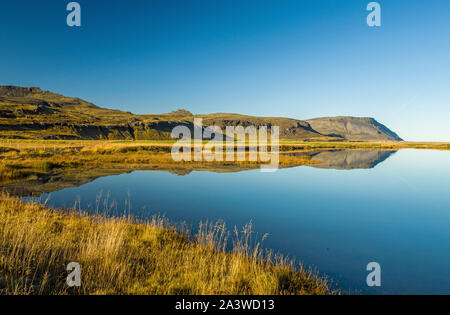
x=298, y=59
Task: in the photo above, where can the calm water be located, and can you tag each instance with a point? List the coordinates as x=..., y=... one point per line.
x=396, y=213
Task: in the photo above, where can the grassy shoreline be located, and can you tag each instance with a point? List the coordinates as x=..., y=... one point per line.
x=283, y=143
x=23, y=159
x=122, y=256
x=20, y=159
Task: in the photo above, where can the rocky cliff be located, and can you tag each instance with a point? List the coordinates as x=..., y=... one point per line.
x=354, y=128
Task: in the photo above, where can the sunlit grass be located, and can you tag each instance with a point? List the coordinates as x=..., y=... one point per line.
x=122, y=256
x=19, y=159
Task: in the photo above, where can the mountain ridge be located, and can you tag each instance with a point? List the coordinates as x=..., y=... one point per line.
x=32, y=113
x=354, y=128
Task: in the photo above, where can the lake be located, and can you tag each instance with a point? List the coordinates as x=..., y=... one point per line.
x=357, y=207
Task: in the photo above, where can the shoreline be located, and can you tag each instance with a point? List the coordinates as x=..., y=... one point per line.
x=122, y=256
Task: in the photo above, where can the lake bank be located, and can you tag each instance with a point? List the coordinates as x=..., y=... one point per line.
x=121, y=256
x=20, y=159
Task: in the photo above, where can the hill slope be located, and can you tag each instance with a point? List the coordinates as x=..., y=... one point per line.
x=289, y=128
x=354, y=128
x=31, y=113
x=35, y=114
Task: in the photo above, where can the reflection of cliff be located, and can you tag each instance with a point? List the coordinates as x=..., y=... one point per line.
x=39, y=184
x=66, y=178
x=345, y=159
x=349, y=159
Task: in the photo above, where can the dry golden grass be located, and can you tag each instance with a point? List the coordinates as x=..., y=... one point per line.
x=121, y=256
x=21, y=159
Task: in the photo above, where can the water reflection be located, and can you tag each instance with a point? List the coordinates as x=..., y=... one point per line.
x=396, y=214
x=346, y=159
x=342, y=159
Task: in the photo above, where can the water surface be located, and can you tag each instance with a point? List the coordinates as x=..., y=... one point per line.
x=385, y=207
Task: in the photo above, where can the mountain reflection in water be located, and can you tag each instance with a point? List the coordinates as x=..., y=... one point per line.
x=341, y=159
x=346, y=159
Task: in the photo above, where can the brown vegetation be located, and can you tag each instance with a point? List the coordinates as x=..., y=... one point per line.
x=121, y=256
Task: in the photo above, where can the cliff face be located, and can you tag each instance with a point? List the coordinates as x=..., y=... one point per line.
x=354, y=128
x=15, y=91
x=32, y=113
x=289, y=128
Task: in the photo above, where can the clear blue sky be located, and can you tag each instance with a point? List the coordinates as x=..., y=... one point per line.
x=299, y=59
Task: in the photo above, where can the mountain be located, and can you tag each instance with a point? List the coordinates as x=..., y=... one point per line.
x=31, y=113
x=353, y=128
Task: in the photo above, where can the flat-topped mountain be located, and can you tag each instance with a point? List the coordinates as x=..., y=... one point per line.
x=354, y=128
x=31, y=113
